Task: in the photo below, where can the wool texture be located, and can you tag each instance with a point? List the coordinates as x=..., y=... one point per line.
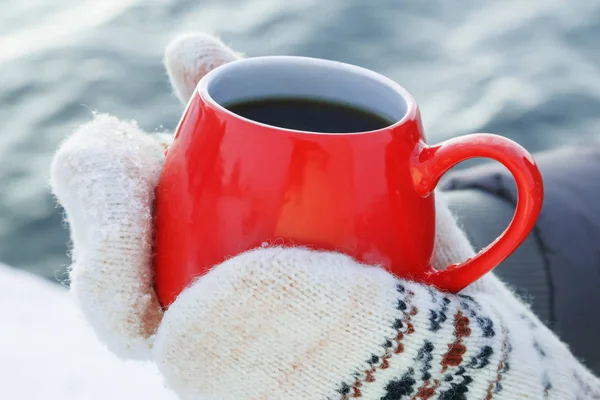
x=289, y=323
x=189, y=57
x=104, y=176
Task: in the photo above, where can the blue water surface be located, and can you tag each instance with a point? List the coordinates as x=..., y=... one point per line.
x=527, y=69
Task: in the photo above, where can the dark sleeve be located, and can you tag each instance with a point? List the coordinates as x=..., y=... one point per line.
x=558, y=267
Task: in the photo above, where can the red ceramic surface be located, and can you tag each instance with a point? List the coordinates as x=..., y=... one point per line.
x=230, y=185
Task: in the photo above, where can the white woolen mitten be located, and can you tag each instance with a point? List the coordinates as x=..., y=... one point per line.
x=288, y=323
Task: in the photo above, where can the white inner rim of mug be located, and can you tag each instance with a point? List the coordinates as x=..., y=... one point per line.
x=309, y=78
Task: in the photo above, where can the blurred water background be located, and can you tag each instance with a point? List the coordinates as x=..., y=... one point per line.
x=527, y=69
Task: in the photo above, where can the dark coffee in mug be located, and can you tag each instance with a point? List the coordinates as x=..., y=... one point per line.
x=312, y=115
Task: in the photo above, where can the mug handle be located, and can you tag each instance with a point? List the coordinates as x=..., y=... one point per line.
x=430, y=163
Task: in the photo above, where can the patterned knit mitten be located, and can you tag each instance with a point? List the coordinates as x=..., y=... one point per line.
x=288, y=323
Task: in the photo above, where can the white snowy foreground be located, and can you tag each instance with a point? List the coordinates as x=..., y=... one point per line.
x=47, y=351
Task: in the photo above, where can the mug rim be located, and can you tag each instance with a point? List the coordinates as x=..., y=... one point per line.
x=202, y=89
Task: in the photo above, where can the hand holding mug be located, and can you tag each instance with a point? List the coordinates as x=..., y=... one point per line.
x=287, y=322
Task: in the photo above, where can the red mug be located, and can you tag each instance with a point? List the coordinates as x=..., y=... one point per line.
x=230, y=184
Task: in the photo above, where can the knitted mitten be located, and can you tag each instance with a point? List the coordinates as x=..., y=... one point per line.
x=288, y=323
